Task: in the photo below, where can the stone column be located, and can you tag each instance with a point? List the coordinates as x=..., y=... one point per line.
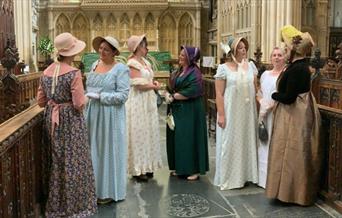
x=322, y=27
x=296, y=13
x=198, y=26
x=264, y=30
x=219, y=29
x=285, y=12
x=23, y=29
x=254, y=21
x=51, y=25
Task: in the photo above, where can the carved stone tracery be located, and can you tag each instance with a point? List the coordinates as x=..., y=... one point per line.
x=123, y=18
x=62, y=24
x=186, y=30
x=167, y=34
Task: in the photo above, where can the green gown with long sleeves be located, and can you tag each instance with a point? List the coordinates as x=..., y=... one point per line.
x=187, y=144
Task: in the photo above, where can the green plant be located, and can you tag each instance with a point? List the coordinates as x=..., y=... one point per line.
x=45, y=47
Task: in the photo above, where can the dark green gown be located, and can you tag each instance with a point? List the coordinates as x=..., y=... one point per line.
x=187, y=145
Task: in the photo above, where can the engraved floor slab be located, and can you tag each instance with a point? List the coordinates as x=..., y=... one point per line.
x=257, y=205
x=165, y=196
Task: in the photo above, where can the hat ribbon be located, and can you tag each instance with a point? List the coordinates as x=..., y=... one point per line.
x=70, y=47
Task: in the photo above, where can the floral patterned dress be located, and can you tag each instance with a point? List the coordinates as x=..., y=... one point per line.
x=71, y=180
x=142, y=124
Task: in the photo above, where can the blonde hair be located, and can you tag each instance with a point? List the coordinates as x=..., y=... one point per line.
x=277, y=48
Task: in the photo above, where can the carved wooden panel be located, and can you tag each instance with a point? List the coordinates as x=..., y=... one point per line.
x=335, y=38
x=332, y=141
x=6, y=24
x=17, y=93
x=329, y=93
x=9, y=206
x=21, y=185
x=2, y=105
x=330, y=69
x=335, y=158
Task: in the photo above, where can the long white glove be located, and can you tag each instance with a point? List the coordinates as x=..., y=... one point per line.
x=168, y=98
x=93, y=95
x=265, y=107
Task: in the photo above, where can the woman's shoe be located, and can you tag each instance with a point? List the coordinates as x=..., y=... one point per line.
x=104, y=201
x=193, y=177
x=149, y=175
x=141, y=178
x=173, y=173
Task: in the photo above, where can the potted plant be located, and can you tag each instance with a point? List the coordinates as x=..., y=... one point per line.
x=45, y=48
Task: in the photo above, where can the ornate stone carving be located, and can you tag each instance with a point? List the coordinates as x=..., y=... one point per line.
x=167, y=34
x=150, y=27
x=62, y=24
x=186, y=30
x=80, y=28
x=11, y=56
x=121, y=19
x=127, y=4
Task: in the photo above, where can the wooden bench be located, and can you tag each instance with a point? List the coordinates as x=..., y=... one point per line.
x=211, y=117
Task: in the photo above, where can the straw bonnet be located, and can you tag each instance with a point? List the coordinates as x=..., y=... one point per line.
x=67, y=45
x=235, y=42
x=288, y=34
x=192, y=54
x=134, y=41
x=112, y=41
x=232, y=44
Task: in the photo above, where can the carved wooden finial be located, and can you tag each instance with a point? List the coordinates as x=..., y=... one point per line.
x=339, y=53
x=11, y=56
x=316, y=62
x=258, y=54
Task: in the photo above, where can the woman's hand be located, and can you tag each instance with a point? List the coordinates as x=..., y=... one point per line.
x=221, y=121
x=93, y=95
x=86, y=100
x=168, y=98
x=156, y=85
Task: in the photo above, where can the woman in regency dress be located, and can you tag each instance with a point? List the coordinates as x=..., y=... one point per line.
x=187, y=142
x=144, y=156
x=107, y=90
x=268, y=82
x=71, y=191
x=236, y=138
x=295, y=154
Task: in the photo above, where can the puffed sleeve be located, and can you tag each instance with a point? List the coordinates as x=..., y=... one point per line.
x=77, y=91
x=220, y=73
x=254, y=68
x=120, y=94
x=41, y=97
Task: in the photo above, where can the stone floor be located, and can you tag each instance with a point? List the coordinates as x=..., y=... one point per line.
x=165, y=196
